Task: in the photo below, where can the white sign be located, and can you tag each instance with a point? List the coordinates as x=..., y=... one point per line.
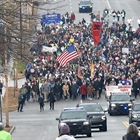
x=118, y=89
x=49, y=49
x=125, y=50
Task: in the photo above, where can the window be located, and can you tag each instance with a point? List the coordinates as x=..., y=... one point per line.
x=73, y=115
x=92, y=108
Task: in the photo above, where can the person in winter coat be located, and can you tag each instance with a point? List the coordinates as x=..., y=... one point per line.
x=41, y=102
x=135, y=88
x=74, y=89
x=28, y=91
x=45, y=90
x=72, y=17
x=57, y=90
x=132, y=133
x=64, y=133
x=83, y=90
x=35, y=89
x=90, y=90
x=96, y=86
x=51, y=99
x=65, y=90
x=21, y=100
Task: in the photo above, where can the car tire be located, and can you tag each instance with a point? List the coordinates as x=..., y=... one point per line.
x=109, y=112
x=90, y=10
x=79, y=10
x=130, y=121
x=89, y=134
x=104, y=127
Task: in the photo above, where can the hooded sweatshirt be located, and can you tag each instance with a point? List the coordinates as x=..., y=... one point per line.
x=65, y=137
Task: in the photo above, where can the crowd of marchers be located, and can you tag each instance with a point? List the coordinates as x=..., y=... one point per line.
x=116, y=60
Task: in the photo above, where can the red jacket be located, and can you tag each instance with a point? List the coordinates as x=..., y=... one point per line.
x=72, y=16
x=83, y=89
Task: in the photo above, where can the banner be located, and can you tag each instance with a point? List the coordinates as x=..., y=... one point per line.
x=92, y=70
x=49, y=49
x=96, y=32
x=125, y=50
x=118, y=89
x=51, y=18
x=79, y=73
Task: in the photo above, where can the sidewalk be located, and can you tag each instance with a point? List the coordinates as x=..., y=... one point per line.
x=10, y=82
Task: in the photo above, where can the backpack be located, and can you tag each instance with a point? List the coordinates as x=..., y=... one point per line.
x=20, y=98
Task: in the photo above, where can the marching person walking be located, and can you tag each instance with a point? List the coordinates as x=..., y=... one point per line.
x=41, y=102
x=51, y=99
x=21, y=100
x=123, y=14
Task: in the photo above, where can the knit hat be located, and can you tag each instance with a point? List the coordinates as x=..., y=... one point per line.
x=64, y=129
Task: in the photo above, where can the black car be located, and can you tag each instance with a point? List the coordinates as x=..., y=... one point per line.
x=134, y=114
x=96, y=114
x=76, y=118
x=85, y=6
x=119, y=103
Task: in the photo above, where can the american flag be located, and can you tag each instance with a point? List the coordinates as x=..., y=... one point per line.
x=68, y=55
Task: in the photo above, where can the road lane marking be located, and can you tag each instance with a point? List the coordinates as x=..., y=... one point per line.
x=126, y=124
x=108, y=4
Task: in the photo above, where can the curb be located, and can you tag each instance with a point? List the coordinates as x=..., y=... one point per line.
x=12, y=130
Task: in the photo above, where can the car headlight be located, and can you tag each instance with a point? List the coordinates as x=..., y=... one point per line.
x=134, y=115
x=113, y=105
x=91, y=6
x=129, y=104
x=103, y=117
x=80, y=6
x=85, y=123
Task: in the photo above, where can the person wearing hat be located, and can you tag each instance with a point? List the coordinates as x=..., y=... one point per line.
x=64, y=132
x=3, y=134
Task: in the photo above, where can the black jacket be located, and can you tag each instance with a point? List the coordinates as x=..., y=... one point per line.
x=51, y=97
x=131, y=136
x=74, y=88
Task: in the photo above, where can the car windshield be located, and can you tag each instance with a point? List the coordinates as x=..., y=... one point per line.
x=85, y=3
x=92, y=108
x=73, y=115
x=137, y=107
x=120, y=98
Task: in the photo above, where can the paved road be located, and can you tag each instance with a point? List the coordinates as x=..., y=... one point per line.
x=34, y=125
x=130, y=6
